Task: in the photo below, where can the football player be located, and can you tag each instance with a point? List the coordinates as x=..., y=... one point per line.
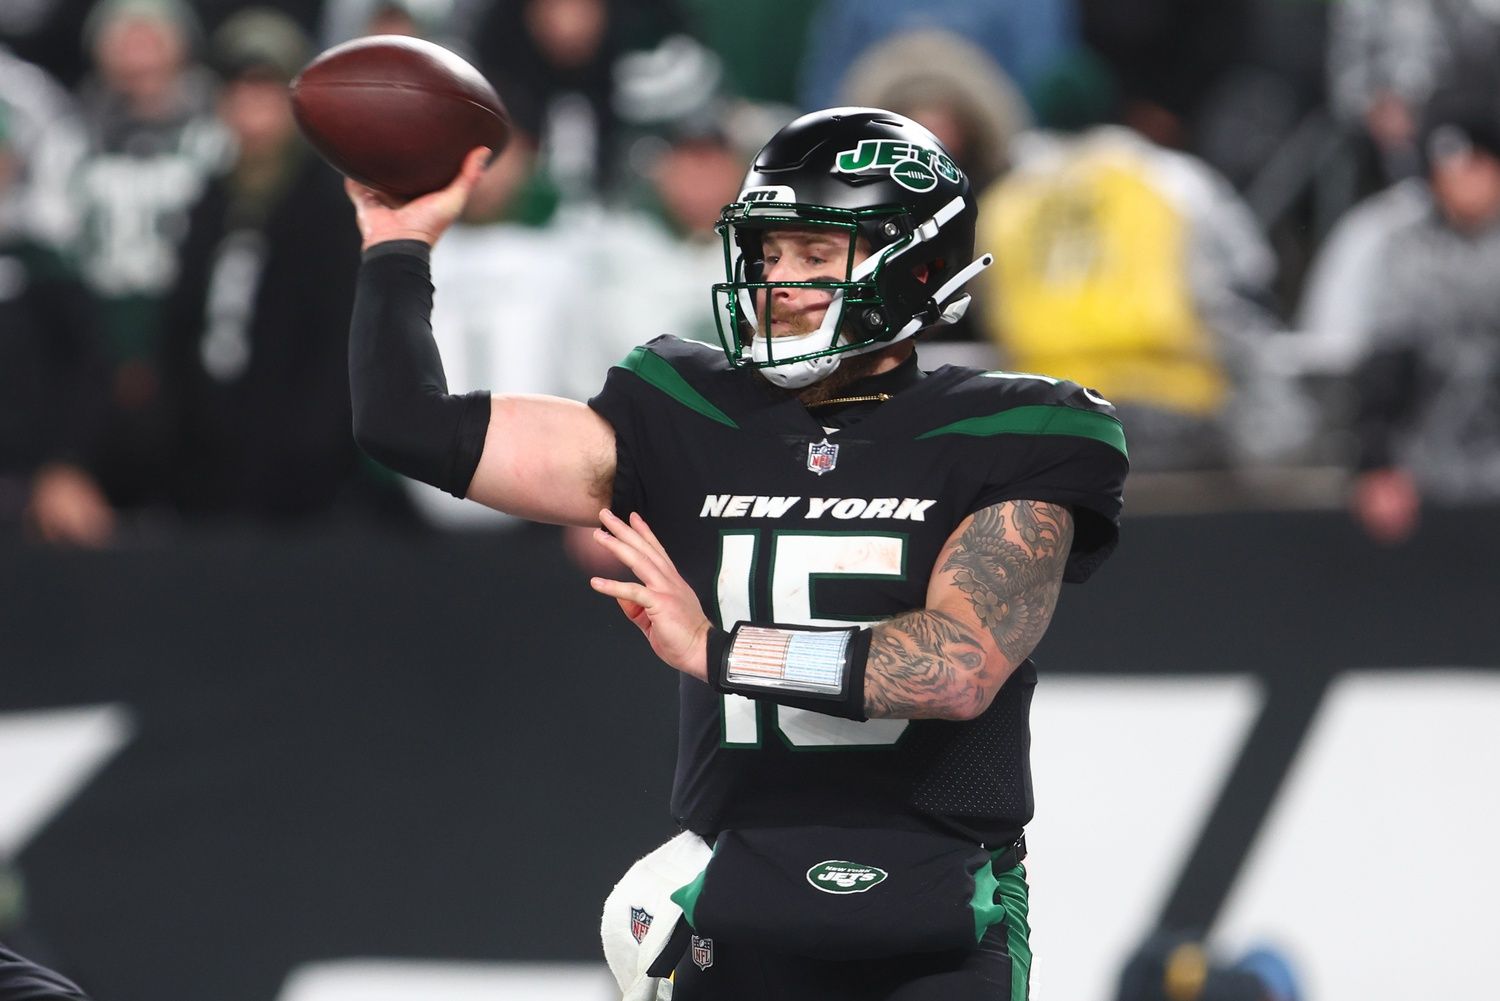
x=849, y=560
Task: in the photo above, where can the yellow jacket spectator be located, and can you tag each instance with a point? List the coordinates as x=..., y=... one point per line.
x=1134, y=270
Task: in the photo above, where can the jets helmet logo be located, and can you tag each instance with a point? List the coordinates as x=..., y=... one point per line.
x=917, y=168
x=914, y=174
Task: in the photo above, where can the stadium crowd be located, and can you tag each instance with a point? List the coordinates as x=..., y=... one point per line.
x=1262, y=227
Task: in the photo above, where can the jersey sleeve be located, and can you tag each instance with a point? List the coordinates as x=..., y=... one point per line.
x=1072, y=454
x=618, y=402
x=645, y=399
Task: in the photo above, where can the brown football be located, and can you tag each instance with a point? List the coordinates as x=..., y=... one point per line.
x=397, y=113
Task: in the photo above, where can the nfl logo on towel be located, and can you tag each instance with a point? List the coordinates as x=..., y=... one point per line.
x=640, y=923
x=822, y=456
x=703, y=952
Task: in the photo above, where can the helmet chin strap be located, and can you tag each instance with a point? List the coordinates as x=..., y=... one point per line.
x=805, y=372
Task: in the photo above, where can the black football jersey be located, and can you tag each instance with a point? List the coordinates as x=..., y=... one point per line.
x=773, y=516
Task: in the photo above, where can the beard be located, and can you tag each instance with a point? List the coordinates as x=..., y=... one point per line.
x=849, y=372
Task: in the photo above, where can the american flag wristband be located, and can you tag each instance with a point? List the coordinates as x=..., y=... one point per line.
x=811, y=667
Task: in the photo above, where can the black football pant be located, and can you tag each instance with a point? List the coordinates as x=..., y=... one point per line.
x=747, y=974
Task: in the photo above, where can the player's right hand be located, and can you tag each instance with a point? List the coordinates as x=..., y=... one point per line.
x=381, y=217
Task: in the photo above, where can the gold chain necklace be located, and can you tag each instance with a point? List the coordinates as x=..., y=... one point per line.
x=871, y=398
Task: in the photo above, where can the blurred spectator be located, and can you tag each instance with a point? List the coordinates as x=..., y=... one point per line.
x=957, y=91
x=153, y=139
x=1336, y=312
x=1028, y=39
x=1272, y=81
x=44, y=132
x=1137, y=271
x=51, y=382
x=1428, y=417
x=346, y=19
x=761, y=45
x=45, y=32
x=951, y=86
x=553, y=61
x=686, y=166
x=255, y=377
x=1166, y=56
x=1387, y=57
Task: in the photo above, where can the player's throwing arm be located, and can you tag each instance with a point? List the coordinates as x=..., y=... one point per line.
x=547, y=458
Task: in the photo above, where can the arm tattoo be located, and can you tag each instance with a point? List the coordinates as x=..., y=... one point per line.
x=929, y=663
x=918, y=662
x=1012, y=576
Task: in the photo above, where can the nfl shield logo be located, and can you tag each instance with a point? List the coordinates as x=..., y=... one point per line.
x=640, y=923
x=703, y=952
x=822, y=456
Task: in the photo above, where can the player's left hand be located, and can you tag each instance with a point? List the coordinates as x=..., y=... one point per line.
x=662, y=605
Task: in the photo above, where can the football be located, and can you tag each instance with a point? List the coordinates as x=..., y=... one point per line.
x=397, y=114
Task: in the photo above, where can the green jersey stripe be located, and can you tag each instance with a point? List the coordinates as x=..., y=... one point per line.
x=660, y=373
x=1046, y=420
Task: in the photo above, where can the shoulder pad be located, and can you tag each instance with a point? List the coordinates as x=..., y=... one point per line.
x=1027, y=389
x=689, y=372
x=982, y=404
x=684, y=354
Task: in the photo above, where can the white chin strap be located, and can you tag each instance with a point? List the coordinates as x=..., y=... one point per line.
x=805, y=372
x=796, y=374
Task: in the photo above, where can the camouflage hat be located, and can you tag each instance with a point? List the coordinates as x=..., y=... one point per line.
x=259, y=41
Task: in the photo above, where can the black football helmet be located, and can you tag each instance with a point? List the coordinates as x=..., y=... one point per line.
x=889, y=183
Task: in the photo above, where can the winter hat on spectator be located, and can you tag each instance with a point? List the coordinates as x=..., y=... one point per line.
x=259, y=42
x=176, y=13
x=935, y=67
x=1460, y=120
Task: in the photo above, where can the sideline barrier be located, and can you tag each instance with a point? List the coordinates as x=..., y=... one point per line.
x=448, y=748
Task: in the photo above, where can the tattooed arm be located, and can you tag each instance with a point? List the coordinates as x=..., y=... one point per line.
x=989, y=601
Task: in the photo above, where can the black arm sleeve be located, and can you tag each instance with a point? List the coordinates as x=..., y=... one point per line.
x=1385, y=387
x=404, y=416
x=23, y=980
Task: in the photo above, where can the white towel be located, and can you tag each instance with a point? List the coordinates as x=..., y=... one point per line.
x=639, y=914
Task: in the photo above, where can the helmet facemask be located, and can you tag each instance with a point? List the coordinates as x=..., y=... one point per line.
x=743, y=305
x=859, y=317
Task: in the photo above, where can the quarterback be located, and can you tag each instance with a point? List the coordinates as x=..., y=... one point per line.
x=847, y=558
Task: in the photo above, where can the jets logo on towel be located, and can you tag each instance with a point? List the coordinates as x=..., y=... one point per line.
x=640, y=923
